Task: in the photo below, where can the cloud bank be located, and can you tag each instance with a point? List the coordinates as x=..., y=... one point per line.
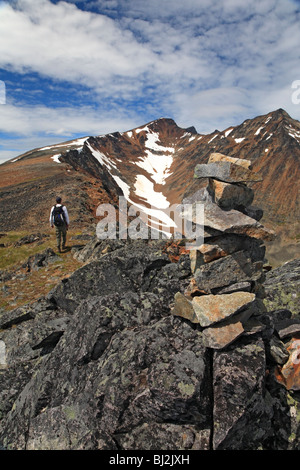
x=116, y=63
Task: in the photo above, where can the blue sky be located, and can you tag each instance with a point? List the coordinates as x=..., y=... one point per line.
x=78, y=68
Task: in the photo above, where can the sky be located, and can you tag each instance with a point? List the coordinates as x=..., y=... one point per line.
x=71, y=69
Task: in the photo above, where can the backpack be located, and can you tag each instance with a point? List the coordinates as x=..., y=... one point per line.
x=58, y=216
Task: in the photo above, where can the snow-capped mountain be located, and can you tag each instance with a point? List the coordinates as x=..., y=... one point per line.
x=152, y=166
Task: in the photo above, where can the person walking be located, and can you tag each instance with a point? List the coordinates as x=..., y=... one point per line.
x=60, y=219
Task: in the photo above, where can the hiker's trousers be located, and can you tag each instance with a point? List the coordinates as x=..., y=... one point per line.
x=61, y=235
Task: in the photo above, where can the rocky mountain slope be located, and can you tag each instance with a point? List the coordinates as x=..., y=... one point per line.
x=150, y=345
x=153, y=167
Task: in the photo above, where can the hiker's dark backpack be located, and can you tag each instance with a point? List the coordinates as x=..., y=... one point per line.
x=58, y=216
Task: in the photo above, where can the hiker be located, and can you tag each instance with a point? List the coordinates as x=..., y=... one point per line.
x=60, y=218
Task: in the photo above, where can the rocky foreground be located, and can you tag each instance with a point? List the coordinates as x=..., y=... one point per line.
x=151, y=346
x=103, y=364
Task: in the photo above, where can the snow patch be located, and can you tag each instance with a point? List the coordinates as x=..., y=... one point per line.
x=239, y=140
x=55, y=158
x=158, y=216
x=144, y=188
x=228, y=132
x=258, y=130
x=157, y=166
x=294, y=133
x=142, y=129
x=77, y=142
x=124, y=186
x=212, y=138
x=102, y=158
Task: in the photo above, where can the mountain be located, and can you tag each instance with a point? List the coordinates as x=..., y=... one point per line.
x=164, y=346
x=153, y=166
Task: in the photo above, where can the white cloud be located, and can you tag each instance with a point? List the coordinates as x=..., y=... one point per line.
x=65, y=43
x=36, y=126
x=204, y=63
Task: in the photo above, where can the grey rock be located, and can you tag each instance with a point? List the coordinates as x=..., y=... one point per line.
x=227, y=221
x=103, y=364
x=242, y=405
x=289, y=327
x=226, y=271
x=230, y=195
x=278, y=351
x=226, y=171
x=282, y=287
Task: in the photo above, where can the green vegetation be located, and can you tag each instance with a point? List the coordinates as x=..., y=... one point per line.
x=18, y=285
x=12, y=255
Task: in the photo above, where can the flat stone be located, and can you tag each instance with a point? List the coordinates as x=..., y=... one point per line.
x=231, y=221
x=226, y=171
x=230, y=195
x=219, y=157
x=224, y=333
x=231, y=269
x=244, y=286
x=221, y=336
x=183, y=308
x=288, y=327
x=225, y=245
x=210, y=309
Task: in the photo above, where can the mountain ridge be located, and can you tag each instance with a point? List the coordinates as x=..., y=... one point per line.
x=152, y=165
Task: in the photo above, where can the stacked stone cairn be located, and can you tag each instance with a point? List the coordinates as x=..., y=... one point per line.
x=225, y=294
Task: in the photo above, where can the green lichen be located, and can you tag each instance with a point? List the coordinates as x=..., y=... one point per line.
x=296, y=407
x=187, y=390
x=282, y=296
x=70, y=413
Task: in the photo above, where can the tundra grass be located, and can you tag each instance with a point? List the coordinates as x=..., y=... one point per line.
x=25, y=286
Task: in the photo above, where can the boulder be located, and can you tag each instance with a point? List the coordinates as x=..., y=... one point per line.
x=288, y=327
x=224, y=245
x=230, y=195
x=219, y=157
x=241, y=400
x=226, y=171
x=222, y=335
x=228, y=270
x=231, y=221
x=183, y=307
x=35, y=262
x=282, y=286
x=210, y=309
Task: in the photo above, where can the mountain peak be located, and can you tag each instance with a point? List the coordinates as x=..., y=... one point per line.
x=280, y=114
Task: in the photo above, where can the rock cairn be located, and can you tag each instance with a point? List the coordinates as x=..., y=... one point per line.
x=225, y=294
